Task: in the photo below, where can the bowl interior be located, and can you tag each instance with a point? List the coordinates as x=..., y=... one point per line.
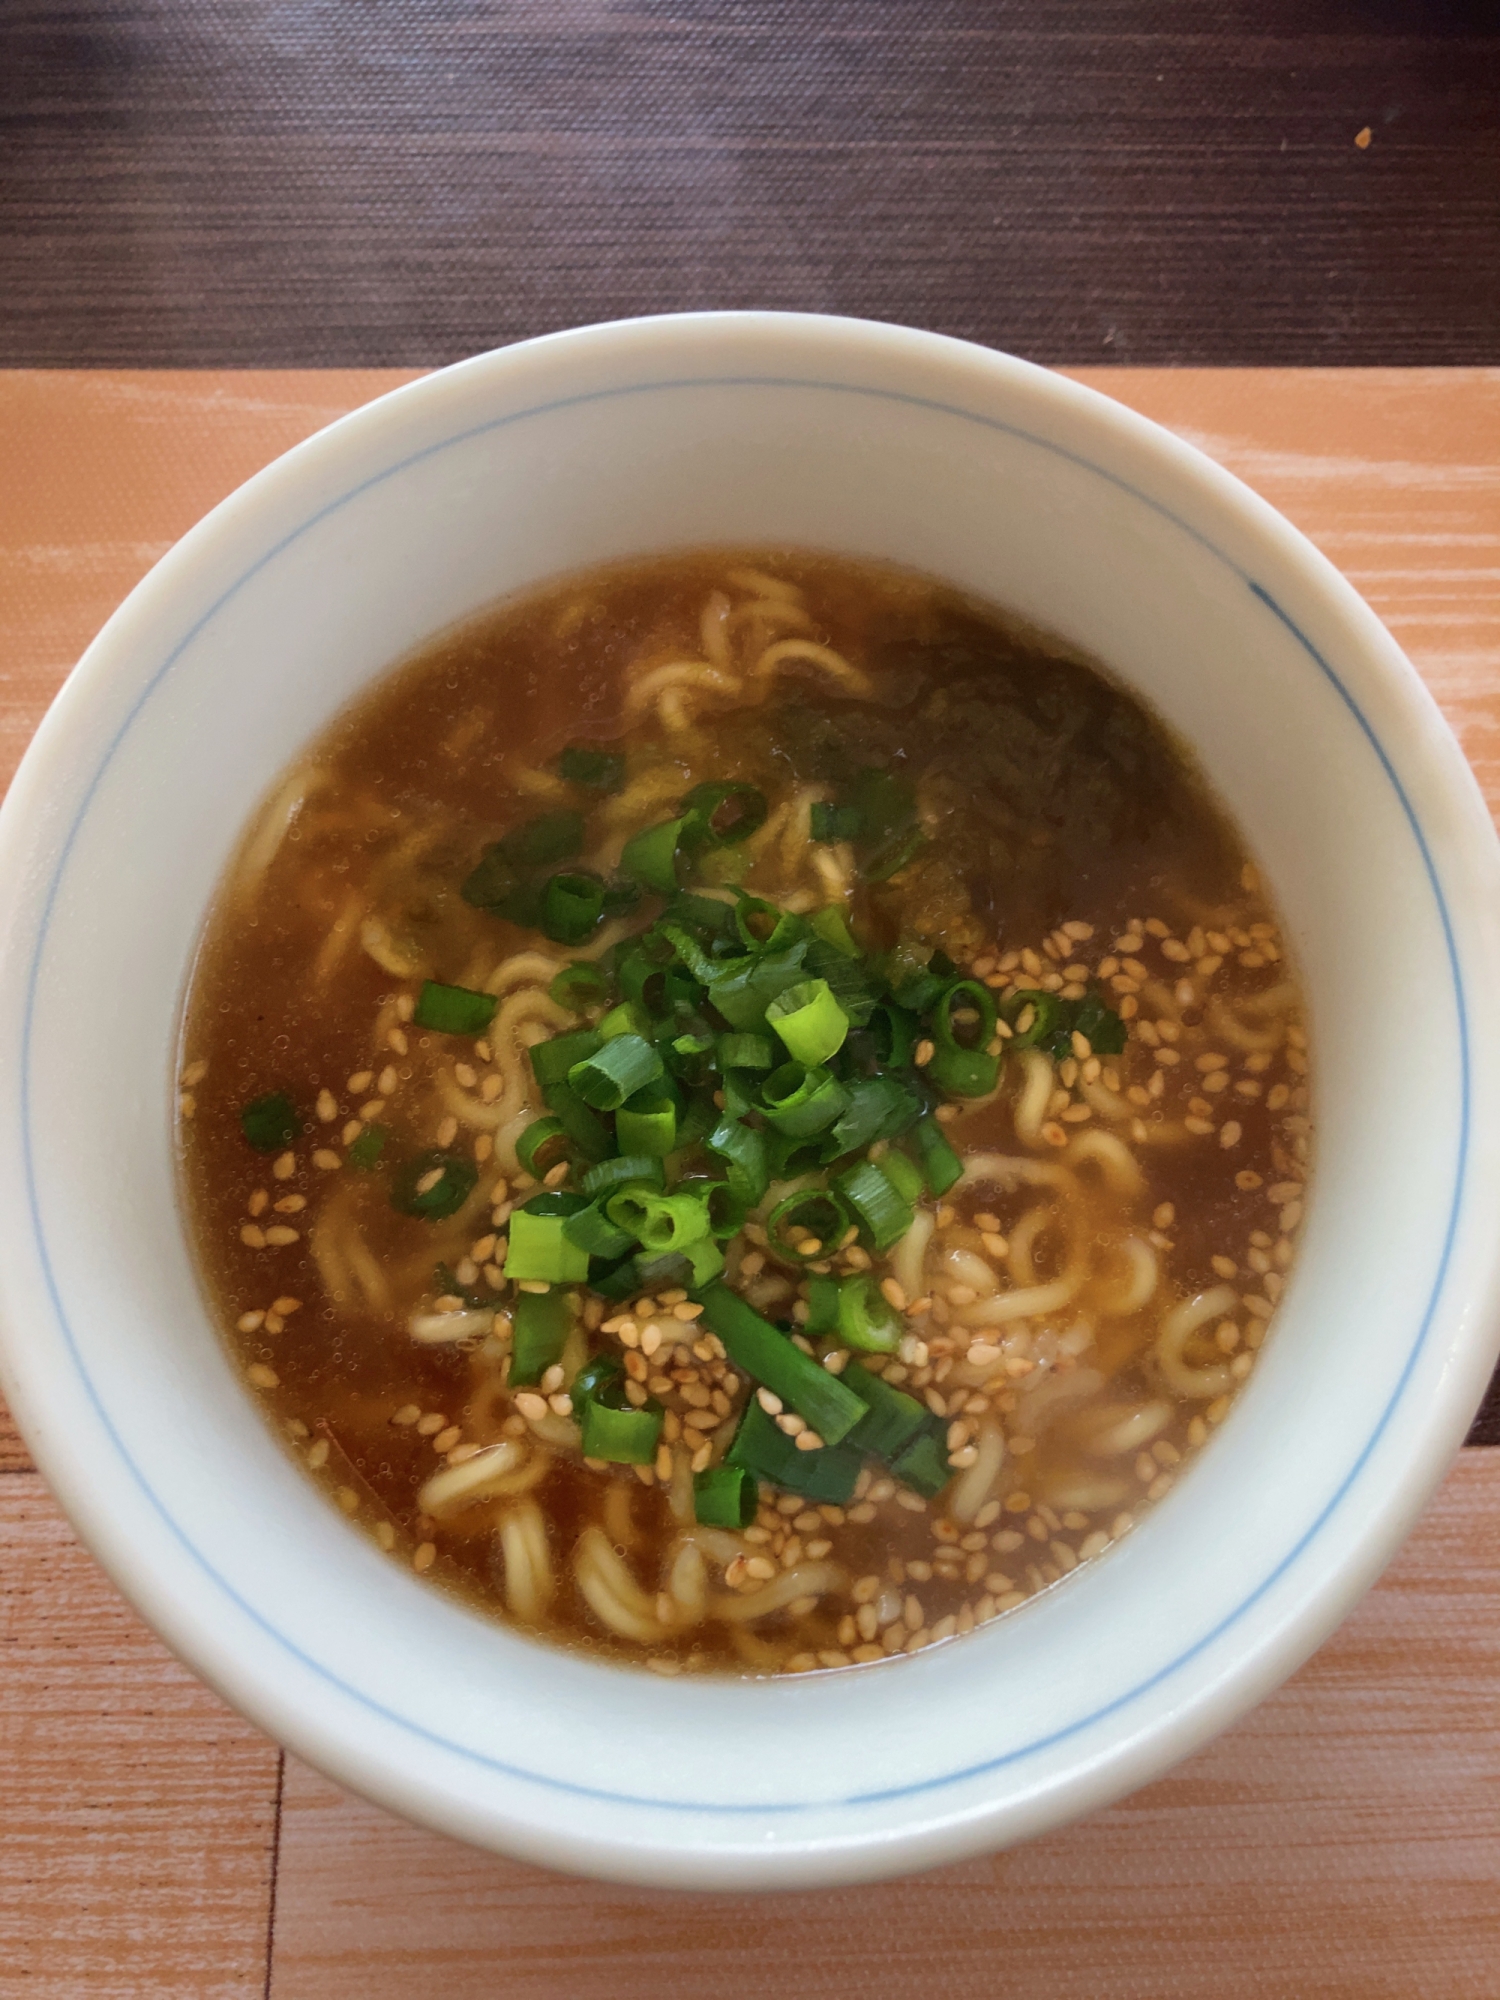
x=1038, y=497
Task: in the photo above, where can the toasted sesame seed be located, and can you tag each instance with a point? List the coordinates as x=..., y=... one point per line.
x=262, y=1376
x=425, y=1556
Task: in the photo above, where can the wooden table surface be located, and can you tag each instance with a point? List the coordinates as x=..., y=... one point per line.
x=1256, y=185
x=1343, y=1840
x=210, y=182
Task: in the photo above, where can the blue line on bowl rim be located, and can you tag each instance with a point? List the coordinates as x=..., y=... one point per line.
x=1053, y=1737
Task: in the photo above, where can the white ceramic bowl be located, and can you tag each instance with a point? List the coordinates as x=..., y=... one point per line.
x=873, y=441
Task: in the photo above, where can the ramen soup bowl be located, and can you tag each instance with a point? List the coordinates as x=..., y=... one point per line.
x=866, y=441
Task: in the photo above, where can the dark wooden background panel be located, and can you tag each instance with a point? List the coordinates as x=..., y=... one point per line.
x=203, y=182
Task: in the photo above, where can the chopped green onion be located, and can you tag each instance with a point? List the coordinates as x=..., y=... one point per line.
x=1047, y=1017
x=689, y=950
x=879, y=1108
x=595, y=1376
x=809, y=1020
x=453, y=1010
x=615, y=1071
x=894, y=854
x=541, y=1252
x=270, y=1122
x=800, y=1101
x=693, y=1265
x=692, y=1045
x=596, y=770
x=612, y=1174
x=829, y=822
x=964, y=1069
x=1053, y=1022
x=743, y=988
x=365, y=1150
x=710, y=915
x=555, y=1201
x=766, y=926
x=941, y=1166
x=495, y=885
x=651, y=856
x=923, y=1466
x=883, y=1214
x=895, y=1032
x=551, y=1061
x=828, y=1476
x=556, y=836
x=725, y=1496
x=745, y=1052
x=647, y=1123
x=1103, y=1027
x=626, y=1019
x=822, y=1304
x=537, y=1139
x=587, y=1130
x=622, y=1436
x=768, y=1357
x=817, y=1211
x=893, y=1418
x=743, y=1151
x=903, y=1176
x=788, y=1158
x=572, y=908
x=721, y=815
x=705, y=1260
x=965, y=1072
x=434, y=1185
x=728, y=1208
x=867, y=1320
x=540, y=1324
x=617, y=1281
x=579, y=986
x=591, y=1229
x=659, y=1222
x=832, y=926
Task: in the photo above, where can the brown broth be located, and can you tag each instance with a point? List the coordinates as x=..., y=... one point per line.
x=1051, y=797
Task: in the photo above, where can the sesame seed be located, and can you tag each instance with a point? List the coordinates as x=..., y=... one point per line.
x=425, y=1556
x=262, y=1376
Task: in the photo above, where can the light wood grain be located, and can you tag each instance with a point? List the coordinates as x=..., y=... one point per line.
x=139, y=1814
x=1345, y=1839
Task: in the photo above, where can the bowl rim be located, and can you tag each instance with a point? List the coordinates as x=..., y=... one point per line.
x=1449, y=1405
